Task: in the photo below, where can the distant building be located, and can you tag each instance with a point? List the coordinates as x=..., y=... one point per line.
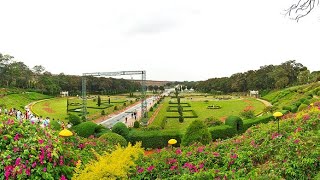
x=254, y=94
x=64, y=93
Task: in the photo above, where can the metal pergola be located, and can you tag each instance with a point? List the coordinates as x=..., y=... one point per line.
x=119, y=73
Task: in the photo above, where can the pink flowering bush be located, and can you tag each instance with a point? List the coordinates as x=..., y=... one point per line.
x=28, y=151
x=261, y=152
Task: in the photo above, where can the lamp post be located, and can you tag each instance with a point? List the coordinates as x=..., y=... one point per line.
x=65, y=133
x=172, y=142
x=277, y=115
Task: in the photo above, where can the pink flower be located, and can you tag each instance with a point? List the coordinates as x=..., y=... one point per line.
x=5, y=138
x=18, y=160
x=296, y=141
x=150, y=168
x=140, y=169
x=275, y=135
x=44, y=169
x=28, y=171
x=200, y=149
x=40, y=141
x=8, y=157
x=34, y=165
x=16, y=137
x=178, y=151
x=298, y=129
x=172, y=161
x=81, y=146
x=201, y=165
x=15, y=149
x=173, y=168
x=233, y=156
x=63, y=178
x=306, y=117
x=216, y=154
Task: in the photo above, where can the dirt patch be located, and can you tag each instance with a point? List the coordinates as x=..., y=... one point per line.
x=46, y=104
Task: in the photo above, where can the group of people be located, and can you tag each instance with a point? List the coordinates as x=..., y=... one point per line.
x=27, y=115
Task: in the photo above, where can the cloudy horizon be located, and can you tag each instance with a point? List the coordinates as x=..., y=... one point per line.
x=171, y=40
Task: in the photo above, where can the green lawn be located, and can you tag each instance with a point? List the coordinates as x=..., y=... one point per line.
x=229, y=107
x=57, y=108
x=20, y=100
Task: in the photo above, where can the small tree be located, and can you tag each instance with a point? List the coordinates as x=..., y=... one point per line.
x=181, y=119
x=99, y=101
x=103, y=113
x=178, y=99
x=121, y=129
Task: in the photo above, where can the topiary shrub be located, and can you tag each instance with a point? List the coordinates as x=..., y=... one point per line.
x=121, y=129
x=103, y=113
x=74, y=119
x=136, y=124
x=302, y=107
x=197, y=132
x=115, y=108
x=114, y=139
x=85, y=129
x=181, y=119
x=211, y=121
x=235, y=122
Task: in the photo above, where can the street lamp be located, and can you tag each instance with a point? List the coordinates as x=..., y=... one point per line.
x=172, y=142
x=277, y=115
x=65, y=133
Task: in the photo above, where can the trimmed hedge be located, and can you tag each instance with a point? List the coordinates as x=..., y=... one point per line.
x=302, y=107
x=85, y=129
x=250, y=122
x=114, y=138
x=235, y=122
x=154, y=139
x=197, y=131
x=222, y=132
x=121, y=129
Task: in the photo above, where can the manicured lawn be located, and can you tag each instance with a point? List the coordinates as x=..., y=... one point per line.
x=20, y=100
x=229, y=107
x=57, y=108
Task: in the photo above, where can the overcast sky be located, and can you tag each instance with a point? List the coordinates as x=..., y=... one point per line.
x=171, y=40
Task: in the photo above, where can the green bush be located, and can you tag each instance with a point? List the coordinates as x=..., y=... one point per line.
x=197, y=132
x=302, y=107
x=136, y=124
x=85, y=129
x=222, y=132
x=55, y=125
x=307, y=102
x=115, y=108
x=235, y=122
x=153, y=138
x=211, y=121
x=74, y=119
x=121, y=129
x=294, y=108
x=114, y=138
x=151, y=109
x=286, y=108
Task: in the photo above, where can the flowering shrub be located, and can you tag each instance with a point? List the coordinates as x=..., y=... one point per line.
x=261, y=152
x=115, y=165
x=29, y=151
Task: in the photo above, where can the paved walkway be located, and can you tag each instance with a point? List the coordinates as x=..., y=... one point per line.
x=266, y=103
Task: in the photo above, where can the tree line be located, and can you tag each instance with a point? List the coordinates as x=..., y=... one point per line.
x=15, y=74
x=268, y=77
